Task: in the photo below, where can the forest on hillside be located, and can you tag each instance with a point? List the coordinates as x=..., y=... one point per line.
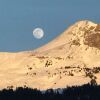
x=84, y=92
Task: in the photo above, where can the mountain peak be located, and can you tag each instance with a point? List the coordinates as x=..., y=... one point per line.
x=81, y=31
x=63, y=61
x=85, y=22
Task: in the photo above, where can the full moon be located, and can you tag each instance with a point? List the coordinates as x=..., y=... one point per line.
x=38, y=33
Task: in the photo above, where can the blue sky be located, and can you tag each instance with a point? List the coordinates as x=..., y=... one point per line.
x=19, y=17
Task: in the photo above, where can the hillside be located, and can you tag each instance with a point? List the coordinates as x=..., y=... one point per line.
x=73, y=58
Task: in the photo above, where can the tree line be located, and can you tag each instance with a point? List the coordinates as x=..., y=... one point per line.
x=84, y=92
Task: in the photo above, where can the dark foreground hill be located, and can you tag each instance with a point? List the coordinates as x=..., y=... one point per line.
x=85, y=92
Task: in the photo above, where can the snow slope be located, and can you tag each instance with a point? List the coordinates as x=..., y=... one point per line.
x=73, y=58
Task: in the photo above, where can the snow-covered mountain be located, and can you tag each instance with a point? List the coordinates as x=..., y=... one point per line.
x=73, y=58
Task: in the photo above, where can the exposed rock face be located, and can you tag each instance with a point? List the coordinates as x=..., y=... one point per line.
x=92, y=40
x=73, y=58
x=92, y=37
